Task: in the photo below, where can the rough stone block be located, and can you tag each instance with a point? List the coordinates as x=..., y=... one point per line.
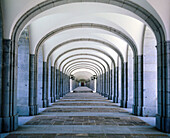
x=23, y=110
x=149, y=111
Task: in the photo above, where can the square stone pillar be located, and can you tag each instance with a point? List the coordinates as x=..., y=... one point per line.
x=52, y=90
x=57, y=84
x=116, y=93
x=9, y=117
x=138, y=86
x=122, y=100
x=32, y=86
x=105, y=85
x=163, y=116
x=44, y=90
x=124, y=96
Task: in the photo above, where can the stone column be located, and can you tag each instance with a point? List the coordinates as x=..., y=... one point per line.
x=63, y=84
x=138, y=86
x=68, y=84
x=105, y=85
x=31, y=84
x=97, y=84
x=52, y=91
x=6, y=119
x=1, y=61
x=9, y=117
x=35, y=86
x=47, y=84
x=115, y=85
x=98, y=77
x=60, y=84
x=57, y=84
x=111, y=91
x=163, y=116
x=109, y=85
x=124, y=86
x=44, y=90
x=23, y=74
x=101, y=83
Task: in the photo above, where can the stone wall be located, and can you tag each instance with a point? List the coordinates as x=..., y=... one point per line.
x=149, y=74
x=130, y=78
x=23, y=74
x=40, y=77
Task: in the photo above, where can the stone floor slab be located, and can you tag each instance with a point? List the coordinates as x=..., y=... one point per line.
x=86, y=115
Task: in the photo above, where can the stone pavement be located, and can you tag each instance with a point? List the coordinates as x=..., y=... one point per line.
x=85, y=115
x=82, y=89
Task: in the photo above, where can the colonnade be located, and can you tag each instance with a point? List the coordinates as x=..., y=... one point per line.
x=112, y=82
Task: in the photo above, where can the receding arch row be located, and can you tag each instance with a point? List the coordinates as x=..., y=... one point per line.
x=109, y=78
x=108, y=74
x=84, y=48
x=86, y=39
x=128, y=39
x=83, y=62
x=88, y=68
x=97, y=63
x=104, y=79
x=86, y=58
x=81, y=40
x=140, y=11
x=84, y=66
x=84, y=54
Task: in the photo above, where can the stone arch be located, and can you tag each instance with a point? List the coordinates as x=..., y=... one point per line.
x=85, y=62
x=86, y=58
x=86, y=39
x=90, y=25
x=102, y=87
x=109, y=73
x=81, y=67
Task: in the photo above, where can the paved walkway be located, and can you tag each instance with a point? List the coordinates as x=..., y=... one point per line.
x=85, y=115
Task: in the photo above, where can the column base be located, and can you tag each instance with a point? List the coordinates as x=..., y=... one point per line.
x=48, y=103
x=115, y=99
x=35, y=109
x=163, y=123
x=109, y=97
x=31, y=110
x=137, y=110
x=149, y=111
x=6, y=123
x=105, y=95
x=57, y=97
x=23, y=110
x=52, y=99
x=123, y=103
x=44, y=103
x=129, y=104
x=0, y=124
x=9, y=123
x=15, y=121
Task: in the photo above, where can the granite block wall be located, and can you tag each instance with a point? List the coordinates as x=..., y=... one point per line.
x=23, y=74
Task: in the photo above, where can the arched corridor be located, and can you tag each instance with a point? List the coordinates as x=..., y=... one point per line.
x=109, y=54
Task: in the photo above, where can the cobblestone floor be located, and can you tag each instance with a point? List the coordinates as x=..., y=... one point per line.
x=85, y=115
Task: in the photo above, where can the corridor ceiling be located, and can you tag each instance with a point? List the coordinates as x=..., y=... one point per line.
x=80, y=38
